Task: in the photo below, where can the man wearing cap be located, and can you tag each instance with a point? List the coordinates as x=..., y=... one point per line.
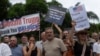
x=81, y=47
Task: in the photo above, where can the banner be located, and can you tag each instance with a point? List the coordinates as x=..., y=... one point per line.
x=1, y=25
x=79, y=15
x=24, y=24
x=55, y=15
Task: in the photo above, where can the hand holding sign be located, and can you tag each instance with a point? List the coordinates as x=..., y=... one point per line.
x=73, y=23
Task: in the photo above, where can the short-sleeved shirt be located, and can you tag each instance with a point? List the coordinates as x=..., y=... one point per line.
x=97, y=48
x=5, y=50
x=17, y=51
x=39, y=44
x=54, y=47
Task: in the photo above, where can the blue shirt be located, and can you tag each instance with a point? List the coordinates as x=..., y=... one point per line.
x=17, y=51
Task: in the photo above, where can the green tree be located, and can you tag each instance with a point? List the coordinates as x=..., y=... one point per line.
x=54, y=2
x=92, y=15
x=43, y=23
x=67, y=19
x=16, y=10
x=35, y=6
x=4, y=4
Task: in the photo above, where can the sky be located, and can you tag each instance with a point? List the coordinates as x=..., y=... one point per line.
x=90, y=5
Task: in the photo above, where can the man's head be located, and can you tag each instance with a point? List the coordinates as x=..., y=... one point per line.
x=95, y=35
x=43, y=36
x=82, y=35
x=49, y=33
x=24, y=39
x=6, y=39
x=13, y=41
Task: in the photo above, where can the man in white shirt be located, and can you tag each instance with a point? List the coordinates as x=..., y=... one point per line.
x=39, y=44
x=5, y=50
x=6, y=39
x=94, y=48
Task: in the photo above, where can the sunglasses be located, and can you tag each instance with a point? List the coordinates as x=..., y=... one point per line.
x=83, y=33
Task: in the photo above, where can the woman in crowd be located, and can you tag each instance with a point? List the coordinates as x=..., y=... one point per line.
x=64, y=36
x=69, y=46
x=31, y=49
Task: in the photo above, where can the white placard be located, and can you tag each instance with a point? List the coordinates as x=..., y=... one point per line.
x=79, y=15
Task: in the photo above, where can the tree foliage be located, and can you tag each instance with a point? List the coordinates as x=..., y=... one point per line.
x=4, y=4
x=54, y=2
x=35, y=6
x=92, y=15
x=16, y=10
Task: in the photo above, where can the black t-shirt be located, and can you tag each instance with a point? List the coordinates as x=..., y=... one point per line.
x=34, y=52
x=78, y=48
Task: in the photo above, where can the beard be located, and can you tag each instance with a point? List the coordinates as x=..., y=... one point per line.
x=50, y=38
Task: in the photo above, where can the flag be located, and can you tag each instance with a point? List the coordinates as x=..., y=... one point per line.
x=77, y=9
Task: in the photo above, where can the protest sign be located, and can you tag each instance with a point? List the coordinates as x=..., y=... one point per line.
x=1, y=25
x=79, y=15
x=24, y=24
x=55, y=15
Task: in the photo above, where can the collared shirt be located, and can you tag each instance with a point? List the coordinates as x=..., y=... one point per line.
x=5, y=50
x=96, y=47
x=17, y=51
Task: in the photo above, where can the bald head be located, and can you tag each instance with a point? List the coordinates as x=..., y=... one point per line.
x=13, y=37
x=95, y=35
x=43, y=36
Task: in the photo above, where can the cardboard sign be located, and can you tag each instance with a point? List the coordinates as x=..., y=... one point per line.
x=79, y=15
x=55, y=15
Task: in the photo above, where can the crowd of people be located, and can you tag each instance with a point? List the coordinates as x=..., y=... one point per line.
x=67, y=43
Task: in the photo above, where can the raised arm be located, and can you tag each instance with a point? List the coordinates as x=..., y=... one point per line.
x=28, y=53
x=59, y=30
x=31, y=46
x=71, y=33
